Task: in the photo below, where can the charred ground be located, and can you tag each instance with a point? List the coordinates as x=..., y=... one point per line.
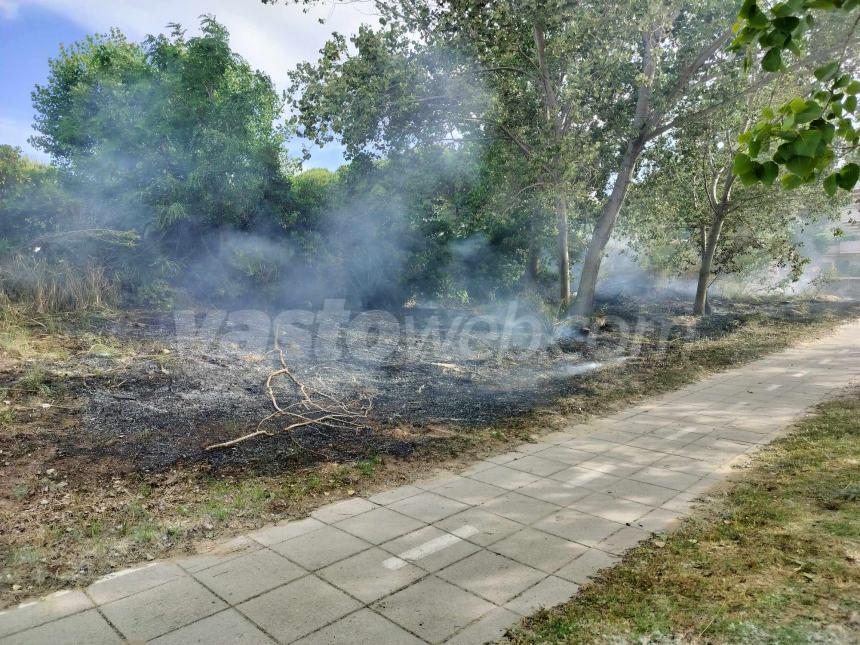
x=163, y=404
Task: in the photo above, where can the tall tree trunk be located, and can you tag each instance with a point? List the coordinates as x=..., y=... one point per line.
x=700, y=306
x=554, y=118
x=532, y=266
x=584, y=303
x=563, y=252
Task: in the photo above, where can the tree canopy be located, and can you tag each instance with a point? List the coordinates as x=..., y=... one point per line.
x=814, y=134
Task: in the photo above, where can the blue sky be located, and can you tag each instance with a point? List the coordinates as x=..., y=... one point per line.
x=272, y=38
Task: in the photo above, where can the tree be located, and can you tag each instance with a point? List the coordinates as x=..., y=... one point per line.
x=32, y=200
x=681, y=61
x=501, y=74
x=559, y=79
x=695, y=210
x=172, y=137
x=815, y=130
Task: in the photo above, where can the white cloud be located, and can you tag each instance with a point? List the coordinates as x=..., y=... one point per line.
x=272, y=38
x=8, y=9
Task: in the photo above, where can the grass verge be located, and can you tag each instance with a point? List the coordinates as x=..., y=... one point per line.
x=774, y=560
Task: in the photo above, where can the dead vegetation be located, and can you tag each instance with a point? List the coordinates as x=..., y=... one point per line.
x=103, y=458
x=41, y=287
x=313, y=407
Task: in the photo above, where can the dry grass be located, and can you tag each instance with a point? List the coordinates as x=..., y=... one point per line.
x=774, y=560
x=43, y=287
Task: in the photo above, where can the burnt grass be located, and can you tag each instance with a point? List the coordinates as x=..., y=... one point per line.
x=161, y=412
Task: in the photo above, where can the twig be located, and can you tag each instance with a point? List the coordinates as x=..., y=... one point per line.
x=313, y=408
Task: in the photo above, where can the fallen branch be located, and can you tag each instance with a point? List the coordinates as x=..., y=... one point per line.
x=313, y=408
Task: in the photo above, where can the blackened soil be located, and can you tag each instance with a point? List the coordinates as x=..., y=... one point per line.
x=163, y=411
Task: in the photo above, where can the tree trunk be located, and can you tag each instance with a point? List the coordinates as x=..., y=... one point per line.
x=533, y=264
x=563, y=252
x=701, y=306
x=584, y=304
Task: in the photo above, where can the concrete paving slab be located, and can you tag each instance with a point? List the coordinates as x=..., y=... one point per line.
x=536, y=446
x=439, y=479
x=227, y=626
x=537, y=465
x=371, y=575
x=364, y=626
x=469, y=491
x=609, y=465
x=625, y=539
x=632, y=455
x=538, y=549
x=379, y=525
x=681, y=503
x=133, y=580
x=686, y=465
x=477, y=467
x=428, y=507
x=298, y=608
x=491, y=527
x=520, y=508
x=433, y=609
x=580, y=477
x=587, y=566
x=565, y=455
x=87, y=628
x=154, y=612
x=487, y=629
x=504, y=458
x=432, y=548
x=321, y=548
x=492, y=576
x=338, y=511
x=53, y=607
x=666, y=478
x=554, y=492
x=590, y=444
x=219, y=553
x=394, y=495
x=650, y=442
x=638, y=491
x=659, y=520
x=505, y=477
x=612, y=508
x=282, y=532
x=546, y=594
x=249, y=575
x=578, y=527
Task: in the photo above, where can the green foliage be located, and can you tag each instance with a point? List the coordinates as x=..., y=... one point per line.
x=31, y=199
x=173, y=138
x=808, y=136
x=691, y=185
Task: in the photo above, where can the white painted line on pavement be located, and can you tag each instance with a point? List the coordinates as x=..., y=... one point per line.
x=430, y=547
x=124, y=572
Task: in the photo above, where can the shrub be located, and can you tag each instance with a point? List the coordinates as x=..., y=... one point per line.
x=46, y=287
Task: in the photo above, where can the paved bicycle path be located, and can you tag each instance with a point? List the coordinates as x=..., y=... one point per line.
x=461, y=557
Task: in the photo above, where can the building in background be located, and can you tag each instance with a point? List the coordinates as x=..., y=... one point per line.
x=842, y=259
